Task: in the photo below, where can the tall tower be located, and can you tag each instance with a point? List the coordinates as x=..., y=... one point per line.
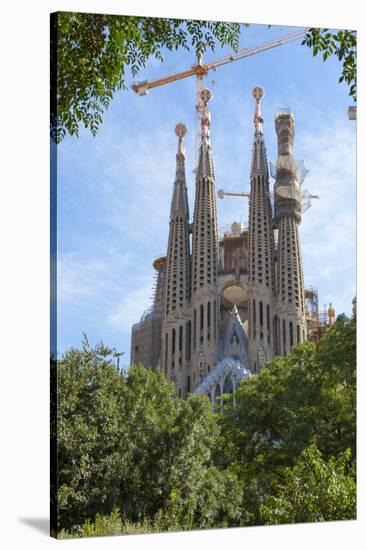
x=261, y=276
x=205, y=303
x=176, y=327
x=290, y=280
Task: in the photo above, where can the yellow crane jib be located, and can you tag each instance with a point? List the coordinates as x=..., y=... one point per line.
x=202, y=69
x=221, y=193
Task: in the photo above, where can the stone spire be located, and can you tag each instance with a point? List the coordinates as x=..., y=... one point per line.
x=205, y=161
x=259, y=157
x=175, y=329
x=177, y=280
x=290, y=280
x=179, y=206
x=261, y=248
x=204, y=254
x=159, y=265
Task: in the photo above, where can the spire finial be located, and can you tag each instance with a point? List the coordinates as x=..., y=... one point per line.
x=258, y=93
x=206, y=96
x=180, y=201
x=180, y=131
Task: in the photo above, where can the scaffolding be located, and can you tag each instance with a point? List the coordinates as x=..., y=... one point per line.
x=146, y=334
x=233, y=249
x=317, y=321
x=145, y=340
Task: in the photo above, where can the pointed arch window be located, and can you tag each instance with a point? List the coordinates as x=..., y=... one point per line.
x=194, y=328
x=180, y=338
x=188, y=340
x=228, y=386
x=166, y=353
x=261, y=313
x=217, y=391
x=254, y=320
x=215, y=317
x=173, y=341
x=291, y=330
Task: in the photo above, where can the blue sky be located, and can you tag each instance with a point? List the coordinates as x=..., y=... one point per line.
x=114, y=190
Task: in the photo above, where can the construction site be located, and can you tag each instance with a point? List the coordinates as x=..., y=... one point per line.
x=226, y=302
x=317, y=321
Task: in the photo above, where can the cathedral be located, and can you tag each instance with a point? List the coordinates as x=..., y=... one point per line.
x=224, y=305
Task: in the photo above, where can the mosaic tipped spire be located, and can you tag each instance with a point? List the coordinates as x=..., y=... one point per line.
x=205, y=233
x=258, y=93
x=181, y=131
x=178, y=253
x=261, y=244
x=205, y=250
x=205, y=160
x=179, y=205
x=259, y=157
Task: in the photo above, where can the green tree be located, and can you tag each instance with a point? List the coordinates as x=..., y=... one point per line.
x=202, y=494
x=90, y=434
x=336, y=356
x=343, y=45
x=125, y=441
x=114, y=432
x=313, y=490
x=304, y=398
x=133, y=457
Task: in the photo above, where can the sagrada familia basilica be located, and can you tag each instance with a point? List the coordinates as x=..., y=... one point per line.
x=225, y=305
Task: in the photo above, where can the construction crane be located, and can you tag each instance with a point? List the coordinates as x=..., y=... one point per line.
x=202, y=69
x=306, y=197
x=221, y=193
x=302, y=172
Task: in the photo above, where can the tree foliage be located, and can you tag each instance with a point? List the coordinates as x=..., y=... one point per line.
x=126, y=441
x=308, y=397
x=133, y=457
x=313, y=490
x=90, y=54
x=343, y=45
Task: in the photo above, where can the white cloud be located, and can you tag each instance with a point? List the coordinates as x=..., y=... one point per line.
x=135, y=185
x=328, y=231
x=91, y=287
x=129, y=310
x=82, y=279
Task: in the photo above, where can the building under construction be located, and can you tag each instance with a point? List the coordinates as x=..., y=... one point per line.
x=226, y=303
x=317, y=322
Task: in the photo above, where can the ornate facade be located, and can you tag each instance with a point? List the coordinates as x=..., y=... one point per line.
x=224, y=305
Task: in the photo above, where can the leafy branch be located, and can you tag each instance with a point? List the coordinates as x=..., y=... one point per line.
x=342, y=44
